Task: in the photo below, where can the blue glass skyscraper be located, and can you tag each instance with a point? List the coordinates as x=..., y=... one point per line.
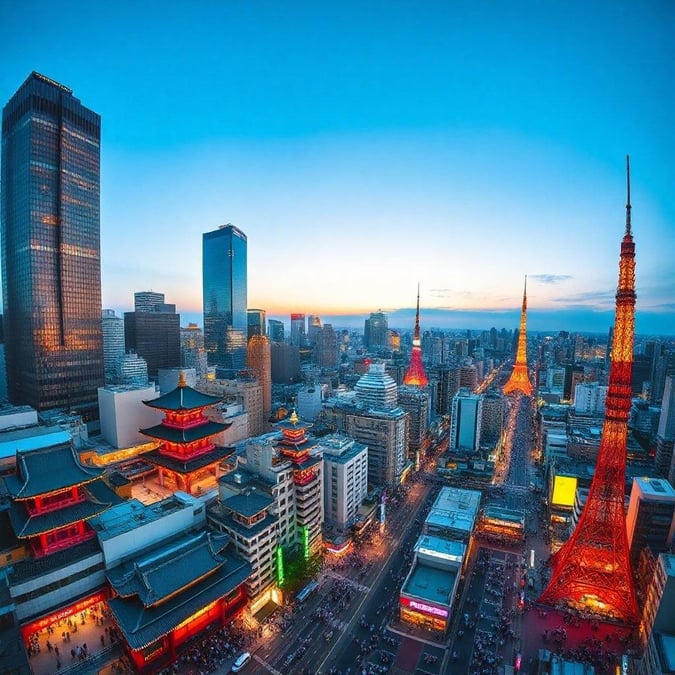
x=51, y=264
x=224, y=285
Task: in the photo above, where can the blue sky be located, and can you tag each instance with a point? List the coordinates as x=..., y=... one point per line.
x=366, y=146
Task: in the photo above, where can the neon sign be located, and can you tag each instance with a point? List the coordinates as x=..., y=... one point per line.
x=427, y=609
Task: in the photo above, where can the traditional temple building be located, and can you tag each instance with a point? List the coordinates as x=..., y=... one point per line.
x=167, y=595
x=187, y=459
x=52, y=496
x=295, y=446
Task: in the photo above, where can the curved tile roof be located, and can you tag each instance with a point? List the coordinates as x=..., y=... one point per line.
x=183, y=398
x=47, y=470
x=164, y=432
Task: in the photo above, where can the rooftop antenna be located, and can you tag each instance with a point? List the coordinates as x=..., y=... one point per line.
x=628, y=228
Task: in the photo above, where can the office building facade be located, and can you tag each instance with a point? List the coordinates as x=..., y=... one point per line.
x=155, y=336
x=256, y=323
x=113, y=343
x=465, y=426
x=51, y=266
x=276, y=330
x=224, y=270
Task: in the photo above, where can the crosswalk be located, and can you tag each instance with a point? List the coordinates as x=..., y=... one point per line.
x=348, y=581
x=266, y=665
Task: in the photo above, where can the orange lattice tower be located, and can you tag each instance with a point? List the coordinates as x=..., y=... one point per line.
x=416, y=376
x=592, y=570
x=520, y=378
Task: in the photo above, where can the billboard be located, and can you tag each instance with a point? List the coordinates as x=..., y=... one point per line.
x=564, y=489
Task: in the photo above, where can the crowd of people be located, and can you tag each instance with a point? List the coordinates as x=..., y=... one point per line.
x=207, y=653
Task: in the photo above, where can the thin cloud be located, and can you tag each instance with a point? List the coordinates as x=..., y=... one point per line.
x=550, y=278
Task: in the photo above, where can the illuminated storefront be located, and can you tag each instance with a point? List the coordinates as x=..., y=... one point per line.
x=425, y=615
x=501, y=525
x=55, y=618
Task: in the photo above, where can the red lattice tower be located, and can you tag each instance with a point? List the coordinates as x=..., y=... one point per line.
x=592, y=570
x=520, y=378
x=416, y=376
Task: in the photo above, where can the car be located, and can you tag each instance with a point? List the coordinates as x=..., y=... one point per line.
x=240, y=662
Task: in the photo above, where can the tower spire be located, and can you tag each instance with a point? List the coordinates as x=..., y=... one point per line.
x=520, y=379
x=416, y=376
x=592, y=570
x=628, y=207
x=417, y=315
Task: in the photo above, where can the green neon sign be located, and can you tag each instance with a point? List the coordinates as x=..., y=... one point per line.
x=280, y=566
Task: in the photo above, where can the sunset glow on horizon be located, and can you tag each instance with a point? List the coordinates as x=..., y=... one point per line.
x=364, y=151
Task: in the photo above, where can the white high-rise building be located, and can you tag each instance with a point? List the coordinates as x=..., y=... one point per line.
x=122, y=414
x=345, y=474
x=589, y=398
x=376, y=389
x=467, y=413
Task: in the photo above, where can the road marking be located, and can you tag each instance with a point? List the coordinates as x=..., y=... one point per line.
x=347, y=580
x=266, y=665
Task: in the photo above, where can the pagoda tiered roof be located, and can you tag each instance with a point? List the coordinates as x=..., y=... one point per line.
x=48, y=470
x=218, y=453
x=27, y=525
x=183, y=398
x=172, y=434
x=160, y=589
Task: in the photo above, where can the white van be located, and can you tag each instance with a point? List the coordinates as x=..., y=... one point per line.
x=240, y=662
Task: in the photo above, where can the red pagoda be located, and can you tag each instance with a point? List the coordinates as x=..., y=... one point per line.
x=187, y=454
x=416, y=376
x=52, y=496
x=295, y=446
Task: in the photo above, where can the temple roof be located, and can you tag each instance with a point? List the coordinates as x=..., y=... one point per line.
x=161, y=589
x=48, y=470
x=173, y=435
x=157, y=575
x=216, y=455
x=305, y=446
x=24, y=524
x=292, y=422
x=183, y=398
x=308, y=462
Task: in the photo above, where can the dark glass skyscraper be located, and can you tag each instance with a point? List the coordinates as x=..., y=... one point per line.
x=224, y=276
x=51, y=267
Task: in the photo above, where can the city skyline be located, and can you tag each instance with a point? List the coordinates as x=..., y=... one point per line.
x=364, y=151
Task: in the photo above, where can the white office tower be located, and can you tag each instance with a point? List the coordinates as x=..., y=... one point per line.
x=465, y=427
x=345, y=479
x=122, y=414
x=376, y=389
x=113, y=343
x=309, y=400
x=589, y=399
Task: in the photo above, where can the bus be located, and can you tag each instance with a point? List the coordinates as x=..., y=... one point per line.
x=307, y=591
